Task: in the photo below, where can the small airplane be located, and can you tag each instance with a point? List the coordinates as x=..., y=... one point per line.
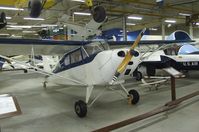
x=182, y=57
x=84, y=63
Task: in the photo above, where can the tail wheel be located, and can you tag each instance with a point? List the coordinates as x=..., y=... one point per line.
x=81, y=108
x=99, y=14
x=134, y=96
x=35, y=7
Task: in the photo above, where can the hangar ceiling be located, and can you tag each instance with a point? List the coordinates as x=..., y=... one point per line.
x=151, y=13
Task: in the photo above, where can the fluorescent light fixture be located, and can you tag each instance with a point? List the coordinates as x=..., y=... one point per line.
x=135, y=17
x=11, y=23
x=82, y=13
x=130, y=24
x=49, y=25
x=11, y=8
x=28, y=31
x=78, y=0
x=8, y=17
x=170, y=21
x=14, y=28
x=36, y=19
x=153, y=29
x=184, y=14
x=4, y=34
x=17, y=26
x=169, y=25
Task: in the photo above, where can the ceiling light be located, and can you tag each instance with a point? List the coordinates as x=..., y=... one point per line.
x=28, y=31
x=184, y=14
x=130, y=24
x=135, y=17
x=197, y=23
x=49, y=25
x=8, y=17
x=82, y=13
x=4, y=34
x=78, y=0
x=17, y=26
x=30, y=18
x=11, y=23
x=153, y=29
x=14, y=28
x=11, y=8
x=170, y=21
x=169, y=25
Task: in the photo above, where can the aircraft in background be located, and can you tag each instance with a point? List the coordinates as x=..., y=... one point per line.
x=84, y=63
x=182, y=57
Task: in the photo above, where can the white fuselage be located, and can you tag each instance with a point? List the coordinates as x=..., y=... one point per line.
x=99, y=71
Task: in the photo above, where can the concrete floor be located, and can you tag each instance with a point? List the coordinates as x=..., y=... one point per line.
x=51, y=109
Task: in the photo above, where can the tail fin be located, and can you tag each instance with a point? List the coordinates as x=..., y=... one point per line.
x=179, y=35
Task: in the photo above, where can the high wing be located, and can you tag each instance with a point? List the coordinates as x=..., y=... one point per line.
x=9, y=46
x=149, y=42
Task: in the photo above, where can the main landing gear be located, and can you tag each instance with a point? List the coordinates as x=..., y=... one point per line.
x=81, y=107
x=133, y=97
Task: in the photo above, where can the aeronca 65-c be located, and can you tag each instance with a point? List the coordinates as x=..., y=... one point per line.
x=83, y=63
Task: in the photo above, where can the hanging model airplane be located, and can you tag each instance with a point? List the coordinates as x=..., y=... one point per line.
x=88, y=65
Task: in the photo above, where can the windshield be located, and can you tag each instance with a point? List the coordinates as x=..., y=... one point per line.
x=96, y=47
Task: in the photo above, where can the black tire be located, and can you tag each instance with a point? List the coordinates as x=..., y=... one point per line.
x=99, y=14
x=25, y=71
x=81, y=108
x=150, y=71
x=35, y=7
x=138, y=76
x=135, y=95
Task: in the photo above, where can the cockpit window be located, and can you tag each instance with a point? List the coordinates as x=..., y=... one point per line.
x=76, y=56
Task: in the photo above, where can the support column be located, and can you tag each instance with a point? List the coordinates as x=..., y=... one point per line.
x=124, y=28
x=163, y=30
x=191, y=31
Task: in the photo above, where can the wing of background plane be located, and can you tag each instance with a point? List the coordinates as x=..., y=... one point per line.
x=149, y=42
x=10, y=46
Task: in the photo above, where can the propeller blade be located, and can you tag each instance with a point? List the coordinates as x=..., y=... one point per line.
x=128, y=57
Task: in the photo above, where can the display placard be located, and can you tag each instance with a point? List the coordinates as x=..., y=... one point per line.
x=9, y=106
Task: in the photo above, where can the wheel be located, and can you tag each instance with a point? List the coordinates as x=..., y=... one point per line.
x=134, y=96
x=150, y=71
x=25, y=71
x=81, y=108
x=138, y=76
x=99, y=14
x=35, y=7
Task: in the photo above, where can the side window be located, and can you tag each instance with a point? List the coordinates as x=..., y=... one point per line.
x=67, y=60
x=76, y=56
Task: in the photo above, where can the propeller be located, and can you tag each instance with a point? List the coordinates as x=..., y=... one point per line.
x=128, y=57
